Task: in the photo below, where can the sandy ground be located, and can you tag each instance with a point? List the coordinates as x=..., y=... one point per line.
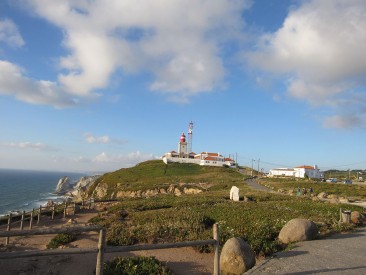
x=180, y=260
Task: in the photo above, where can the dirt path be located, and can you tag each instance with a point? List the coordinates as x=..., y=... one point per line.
x=180, y=260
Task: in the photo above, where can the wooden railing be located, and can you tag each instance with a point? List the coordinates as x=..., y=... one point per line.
x=102, y=248
x=65, y=208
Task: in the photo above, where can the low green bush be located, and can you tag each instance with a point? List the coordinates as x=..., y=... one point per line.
x=61, y=239
x=136, y=265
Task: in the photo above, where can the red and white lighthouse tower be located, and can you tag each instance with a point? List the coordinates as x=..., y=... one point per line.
x=182, y=146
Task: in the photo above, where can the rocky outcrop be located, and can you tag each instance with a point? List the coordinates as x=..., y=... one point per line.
x=322, y=195
x=81, y=186
x=76, y=189
x=297, y=230
x=101, y=192
x=236, y=257
x=63, y=186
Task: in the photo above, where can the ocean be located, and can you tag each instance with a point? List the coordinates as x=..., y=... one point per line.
x=24, y=190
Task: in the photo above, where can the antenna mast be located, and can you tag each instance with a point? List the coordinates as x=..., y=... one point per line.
x=190, y=132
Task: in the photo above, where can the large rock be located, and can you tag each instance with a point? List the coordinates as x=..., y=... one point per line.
x=298, y=230
x=234, y=193
x=236, y=257
x=63, y=186
x=356, y=217
x=322, y=195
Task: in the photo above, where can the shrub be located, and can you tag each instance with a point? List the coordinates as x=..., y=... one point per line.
x=136, y=265
x=61, y=239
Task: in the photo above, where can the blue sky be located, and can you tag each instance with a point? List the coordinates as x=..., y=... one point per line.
x=101, y=85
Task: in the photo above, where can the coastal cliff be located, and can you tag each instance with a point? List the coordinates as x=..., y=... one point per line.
x=77, y=189
x=63, y=186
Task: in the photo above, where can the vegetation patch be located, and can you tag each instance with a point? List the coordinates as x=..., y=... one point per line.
x=186, y=218
x=354, y=191
x=136, y=265
x=61, y=239
x=155, y=174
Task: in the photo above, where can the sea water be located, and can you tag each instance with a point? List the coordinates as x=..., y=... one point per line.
x=24, y=190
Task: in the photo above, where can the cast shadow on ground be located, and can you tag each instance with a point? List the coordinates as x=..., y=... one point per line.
x=358, y=268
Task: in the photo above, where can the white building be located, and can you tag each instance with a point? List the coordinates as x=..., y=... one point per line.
x=297, y=172
x=204, y=158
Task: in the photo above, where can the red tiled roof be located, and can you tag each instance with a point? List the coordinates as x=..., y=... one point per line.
x=228, y=159
x=173, y=152
x=210, y=158
x=306, y=167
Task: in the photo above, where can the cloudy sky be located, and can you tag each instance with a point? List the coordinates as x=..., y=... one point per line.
x=104, y=84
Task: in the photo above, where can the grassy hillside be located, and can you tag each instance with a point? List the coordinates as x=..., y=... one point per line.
x=351, y=191
x=155, y=174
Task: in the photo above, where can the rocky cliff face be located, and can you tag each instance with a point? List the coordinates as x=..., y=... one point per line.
x=81, y=187
x=63, y=186
x=76, y=189
x=101, y=191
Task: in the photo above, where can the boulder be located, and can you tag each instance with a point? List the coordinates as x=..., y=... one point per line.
x=356, y=217
x=322, y=195
x=334, y=200
x=71, y=221
x=315, y=199
x=191, y=191
x=236, y=257
x=343, y=200
x=177, y=192
x=234, y=193
x=171, y=189
x=298, y=230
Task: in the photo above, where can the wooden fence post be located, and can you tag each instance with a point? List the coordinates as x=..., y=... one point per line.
x=74, y=209
x=53, y=212
x=31, y=219
x=216, y=236
x=65, y=209
x=89, y=203
x=82, y=204
x=39, y=214
x=22, y=220
x=101, y=248
x=8, y=229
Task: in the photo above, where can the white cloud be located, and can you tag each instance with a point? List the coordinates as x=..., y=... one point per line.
x=9, y=33
x=176, y=41
x=126, y=160
x=13, y=82
x=30, y=145
x=92, y=139
x=320, y=49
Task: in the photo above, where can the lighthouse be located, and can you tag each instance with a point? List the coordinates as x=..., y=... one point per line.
x=182, y=147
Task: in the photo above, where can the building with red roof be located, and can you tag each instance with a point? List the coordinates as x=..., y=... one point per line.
x=204, y=158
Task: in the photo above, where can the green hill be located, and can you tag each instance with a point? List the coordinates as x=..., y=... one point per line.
x=156, y=174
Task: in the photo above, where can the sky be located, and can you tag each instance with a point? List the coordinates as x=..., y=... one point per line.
x=95, y=86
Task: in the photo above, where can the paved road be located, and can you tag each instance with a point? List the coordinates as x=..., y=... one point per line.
x=338, y=254
x=253, y=184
